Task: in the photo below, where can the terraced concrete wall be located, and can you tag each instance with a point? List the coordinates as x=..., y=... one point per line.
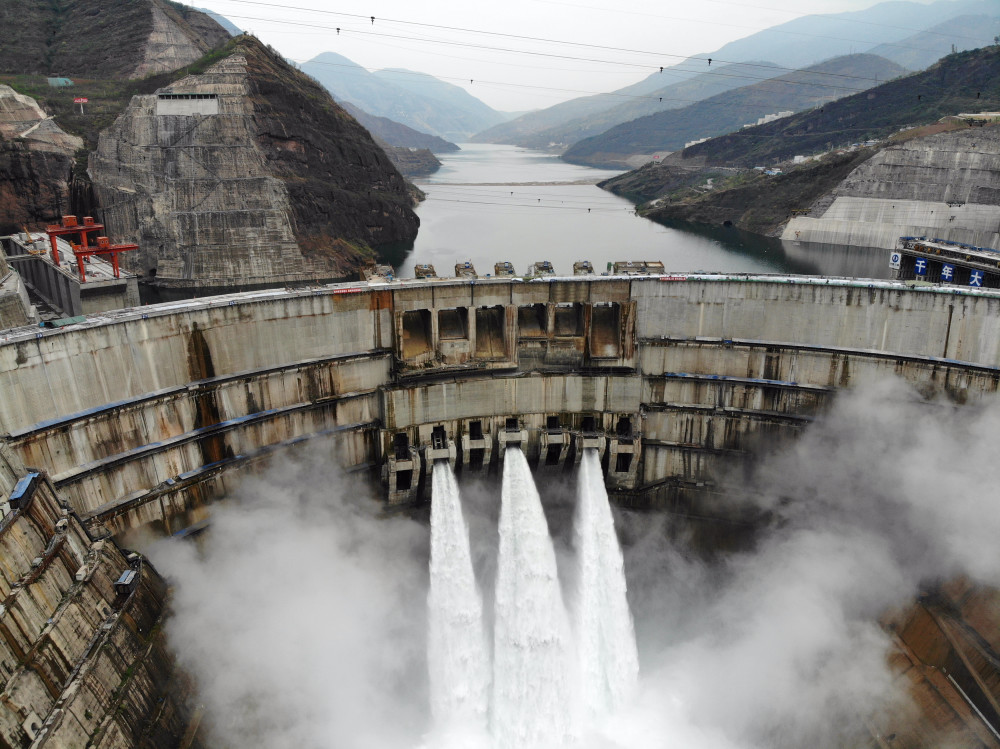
x=81, y=662
x=139, y=416
x=945, y=186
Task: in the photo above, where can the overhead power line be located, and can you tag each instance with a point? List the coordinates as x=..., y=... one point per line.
x=617, y=94
x=832, y=17
x=783, y=79
x=544, y=40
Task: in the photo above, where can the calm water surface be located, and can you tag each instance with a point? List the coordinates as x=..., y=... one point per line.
x=492, y=202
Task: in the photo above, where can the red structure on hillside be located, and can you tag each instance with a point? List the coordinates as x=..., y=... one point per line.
x=83, y=249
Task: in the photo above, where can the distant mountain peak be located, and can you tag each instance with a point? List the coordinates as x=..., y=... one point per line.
x=417, y=100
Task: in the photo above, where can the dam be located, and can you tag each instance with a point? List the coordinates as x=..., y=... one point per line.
x=137, y=420
x=141, y=417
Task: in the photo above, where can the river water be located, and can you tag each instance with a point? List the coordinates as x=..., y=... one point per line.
x=489, y=203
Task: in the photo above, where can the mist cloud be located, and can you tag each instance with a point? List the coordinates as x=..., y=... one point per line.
x=303, y=617
x=303, y=620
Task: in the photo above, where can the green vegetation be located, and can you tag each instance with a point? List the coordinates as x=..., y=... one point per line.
x=201, y=65
x=107, y=98
x=757, y=202
x=729, y=111
x=962, y=82
x=924, y=102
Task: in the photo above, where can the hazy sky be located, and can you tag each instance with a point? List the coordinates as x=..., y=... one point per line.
x=602, y=45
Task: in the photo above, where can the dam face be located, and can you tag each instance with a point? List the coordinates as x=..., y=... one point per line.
x=141, y=417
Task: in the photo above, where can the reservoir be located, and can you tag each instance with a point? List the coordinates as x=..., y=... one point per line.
x=489, y=203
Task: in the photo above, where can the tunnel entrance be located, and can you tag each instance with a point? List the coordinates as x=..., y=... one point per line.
x=439, y=438
x=605, y=330
x=401, y=446
x=453, y=323
x=624, y=430
x=416, y=333
x=569, y=320
x=490, y=332
x=532, y=320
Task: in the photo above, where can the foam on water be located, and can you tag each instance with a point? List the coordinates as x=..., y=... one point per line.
x=532, y=695
x=458, y=661
x=608, y=658
x=548, y=688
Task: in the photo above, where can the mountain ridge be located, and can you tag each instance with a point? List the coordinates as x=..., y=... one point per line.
x=449, y=119
x=801, y=42
x=729, y=111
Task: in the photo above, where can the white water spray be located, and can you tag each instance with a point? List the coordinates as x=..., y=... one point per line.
x=531, y=688
x=456, y=650
x=609, y=661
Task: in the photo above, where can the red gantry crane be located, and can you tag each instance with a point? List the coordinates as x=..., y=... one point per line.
x=83, y=249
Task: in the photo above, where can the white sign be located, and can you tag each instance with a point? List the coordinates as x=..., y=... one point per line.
x=894, y=260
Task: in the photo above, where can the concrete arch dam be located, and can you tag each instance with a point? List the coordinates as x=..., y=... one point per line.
x=142, y=417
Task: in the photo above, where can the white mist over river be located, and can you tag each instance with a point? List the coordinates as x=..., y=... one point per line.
x=489, y=203
x=303, y=613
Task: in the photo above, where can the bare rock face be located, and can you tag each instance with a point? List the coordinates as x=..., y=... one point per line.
x=36, y=161
x=172, y=44
x=247, y=174
x=104, y=38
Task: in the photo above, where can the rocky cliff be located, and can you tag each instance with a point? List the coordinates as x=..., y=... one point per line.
x=36, y=161
x=690, y=190
x=411, y=162
x=103, y=38
x=247, y=173
x=713, y=182
x=82, y=659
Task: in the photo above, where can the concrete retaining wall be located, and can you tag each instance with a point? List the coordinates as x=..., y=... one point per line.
x=56, y=286
x=14, y=305
x=945, y=185
x=871, y=222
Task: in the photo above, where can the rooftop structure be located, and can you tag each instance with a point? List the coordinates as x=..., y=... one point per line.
x=376, y=272
x=67, y=278
x=465, y=270
x=946, y=262
x=638, y=267
x=424, y=270
x=541, y=268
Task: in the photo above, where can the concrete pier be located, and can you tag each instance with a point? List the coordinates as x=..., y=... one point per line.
x=59, y=287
